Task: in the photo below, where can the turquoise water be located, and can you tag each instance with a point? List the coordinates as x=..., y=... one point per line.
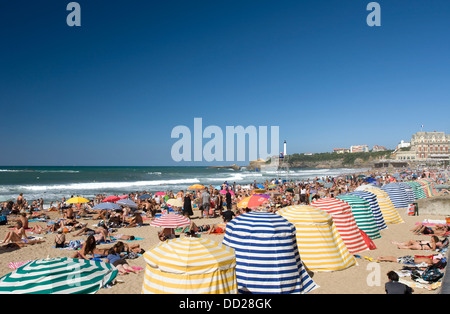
x=52, y=183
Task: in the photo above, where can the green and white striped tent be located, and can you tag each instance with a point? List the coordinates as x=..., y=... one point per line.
x=417, y=189
x=363, y=215
x=60, y=275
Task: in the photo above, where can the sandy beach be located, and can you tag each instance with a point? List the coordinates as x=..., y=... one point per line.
x=349, y=281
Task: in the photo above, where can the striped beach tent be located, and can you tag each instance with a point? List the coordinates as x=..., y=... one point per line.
x=267, y=258
x=190, y=266
x=373, y=202
x=428, y=186
x=61, y=275
x=417, y=189
x=319, y=243
x=342, y=215
x=432, y=184
x=396, y=194
x=411, y=198
x=390, y=214
x=363, y=215
x=425, y=187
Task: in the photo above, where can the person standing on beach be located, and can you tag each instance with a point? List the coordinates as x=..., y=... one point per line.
x=187, y=205
x=206, y=203
x=20, y=201
x=228, y=199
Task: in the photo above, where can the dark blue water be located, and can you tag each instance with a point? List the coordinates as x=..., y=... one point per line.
x=52, y=183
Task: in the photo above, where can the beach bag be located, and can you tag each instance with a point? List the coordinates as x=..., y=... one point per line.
x=368, y=240
x=430, y=274
x=3, y=220
x=75, y=244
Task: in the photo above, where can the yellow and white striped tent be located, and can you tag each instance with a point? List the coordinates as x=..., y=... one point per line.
x=390, y=214
x=319, y=243
x=190, y=266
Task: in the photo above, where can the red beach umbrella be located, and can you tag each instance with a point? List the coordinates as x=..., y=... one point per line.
x=111, y=199
x=171, y=221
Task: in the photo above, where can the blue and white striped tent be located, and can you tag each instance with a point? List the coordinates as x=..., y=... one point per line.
x=376, y=211
x=396, y=194
x=267, y=257
x=410, y=196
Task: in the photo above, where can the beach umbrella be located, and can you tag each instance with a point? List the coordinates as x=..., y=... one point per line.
x=197, y=187
x=171, y=221
x=258, y=191
x=77, y=200
x=127, y=202
x=111, y=199
x=442, y=186
x=175, y=202
x=253, y=201
x=145, y=196
x=160, y=193
x=374, y=207
x=342, y=215
x=363, y=215
x=108, y=206
x=190, y=266
x=225, y=192
x=61, y=275
x=390, y=214
x=267, y=258
x=397, y=195
x=319, y=243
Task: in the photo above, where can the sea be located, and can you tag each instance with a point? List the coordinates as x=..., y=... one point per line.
x=54, y=183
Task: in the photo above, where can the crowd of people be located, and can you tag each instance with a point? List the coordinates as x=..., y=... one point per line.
x=211, y=202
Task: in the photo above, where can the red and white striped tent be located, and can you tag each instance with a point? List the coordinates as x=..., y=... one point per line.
x=345, y=223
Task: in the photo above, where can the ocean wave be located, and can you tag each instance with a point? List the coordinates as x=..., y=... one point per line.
x=39, y=171
x=96, y=185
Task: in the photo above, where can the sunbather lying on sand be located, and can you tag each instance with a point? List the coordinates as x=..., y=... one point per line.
x=410, y=259
x=438, y=230
x=217, y=228
x=433, y=244
x=100, y=234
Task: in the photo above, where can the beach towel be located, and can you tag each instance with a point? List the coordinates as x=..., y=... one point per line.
x=135, y=239
x=15, y=265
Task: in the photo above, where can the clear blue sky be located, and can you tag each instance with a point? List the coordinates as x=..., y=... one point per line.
x=111, y=91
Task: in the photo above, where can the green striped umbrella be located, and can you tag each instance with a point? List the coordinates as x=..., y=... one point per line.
x=61, y=275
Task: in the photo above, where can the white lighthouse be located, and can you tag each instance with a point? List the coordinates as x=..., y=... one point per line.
x=284, y=151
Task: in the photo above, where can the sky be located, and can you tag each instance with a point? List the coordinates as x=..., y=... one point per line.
x=110, y=92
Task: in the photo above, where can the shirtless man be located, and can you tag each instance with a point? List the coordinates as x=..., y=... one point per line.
x=20, y=201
